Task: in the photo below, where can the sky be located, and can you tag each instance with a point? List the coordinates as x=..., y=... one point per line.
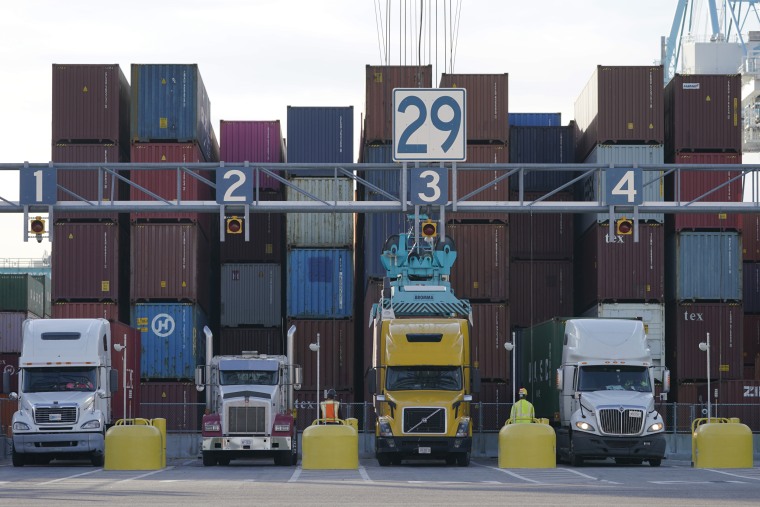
x=257, y=57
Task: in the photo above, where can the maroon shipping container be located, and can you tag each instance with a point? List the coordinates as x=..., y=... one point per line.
x=471, y=180
x=236, y=340
x=540, y=290
x=703, y=113
x=621, y=105
x=694, y=184
x=372, y=294
x=336, y=353
x=539, y=236
x=688, y=324
x=82, y=310
x=170, y=262
x=481, y=270
x=266, y=237
x=129, y=375
x=11, y=326
x=380, y=82
x=163, y=182
x=751, y=237
x=487, y=109
x=86, y=261
x=253, y=141
x=307, y=409
x=751, y=344
x=492, y=406
x=491, y=329
x=9, y=363
x=692, y=393
x=90, y=103
x=177, y=402
x=738, y=398
x=616, y=269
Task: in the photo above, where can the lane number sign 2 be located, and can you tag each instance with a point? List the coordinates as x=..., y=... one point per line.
x=38, y=186
x=234, y=185
x=624, y=186
x=429, y=124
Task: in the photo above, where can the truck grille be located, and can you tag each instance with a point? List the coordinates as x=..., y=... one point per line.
x=425, y=420
x=628, y=421
x=55, y=415
x=248, y=420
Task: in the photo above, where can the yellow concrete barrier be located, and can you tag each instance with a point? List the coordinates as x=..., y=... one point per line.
x=330, y=446
x=528, y=445
x=721, y=443
x=133, y=444
x=160, y=423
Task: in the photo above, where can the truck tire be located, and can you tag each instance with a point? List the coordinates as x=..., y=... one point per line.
x=283, y=458
x=209, y=459
x=223, y=461
x=655, y=462
x=383, y=460
x=463, y=459
x=451, y=460
x=18, y=459
x=97, y=459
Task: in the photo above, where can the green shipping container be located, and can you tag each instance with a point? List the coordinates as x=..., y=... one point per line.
x=22, y=293
x=45, y=280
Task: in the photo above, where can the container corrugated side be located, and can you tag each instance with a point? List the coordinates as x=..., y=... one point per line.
x=372, y=292
x=307, y=407
x=539, y=290
x=129, y=378
x=487, y=104
x=491, y=329
x=336, y=353
x=535, y=119
x=751, y=237
x=90, y=103
x=705, y=265
x=264, y=340
x=251, y=295
x=320, y=283
x=169, y=102
x=47, y=284
x=253, y=141
x=172, y=339
x=266, y=237
x=751, y=345
x=468, y=181
x=738, y=398
x=87, y=310
x=542, y=145
x=378, y=227
x=379, y=84
x=321, y=229
x=11, y=338
x=537, y=236
x=540, y=355
x=9, y=363
x=751, y=286
x=22, y=293
x=481, y=270
x=320, y=135
x=179, y=403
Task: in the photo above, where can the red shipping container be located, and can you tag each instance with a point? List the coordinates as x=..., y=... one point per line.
x=170, y=262
x=491, y=329
x=616, y=269
x=541, y=236
x=694, y=184
x=751, y=344
x=540, y=290
x=236, y=340
x=380, y=82
x=690, y=393
x=7, y=408
x=83, y=310
x=9, y=364
x=253, y=141
x=470, y=180
x=336, y=353
x=703, y=113
x=487, y=104
x=481, y=270
x=266, y=237
x=86, y=262
x=178, y=402
x=125, y=403
x=620, y=105
x=751, y=237
x=738, y=398
x=163, y=182
x=687, y=324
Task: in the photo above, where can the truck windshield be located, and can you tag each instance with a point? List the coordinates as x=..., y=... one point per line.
x=612, y=378
x=435, y=378
x=46, y=380
x=248, y=377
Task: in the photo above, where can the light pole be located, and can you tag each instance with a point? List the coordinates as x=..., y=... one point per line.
x=510, y=346
x=314, y=347
x=123, y=348
x=705, y=347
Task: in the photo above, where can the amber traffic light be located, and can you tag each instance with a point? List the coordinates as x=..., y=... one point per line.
x=623, y=226
x=234, y=225
x=37, y=225
x=429, y=229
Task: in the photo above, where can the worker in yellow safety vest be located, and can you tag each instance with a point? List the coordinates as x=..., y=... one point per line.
x=522, y=410
x=330, y=408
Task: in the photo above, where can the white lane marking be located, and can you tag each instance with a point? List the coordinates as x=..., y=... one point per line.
x=579, y=473
x=733, y=475
x=364, y=474
x=70, y=477
x=502, y=470
x=296, y=475
x=146, y=475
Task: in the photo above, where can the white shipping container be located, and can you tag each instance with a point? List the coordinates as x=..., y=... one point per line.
x=653, y=316
x=321, y=230
x=251, y=295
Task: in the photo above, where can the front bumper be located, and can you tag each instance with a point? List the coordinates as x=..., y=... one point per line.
x=58, y=443
x=411, y=446
x=587, y=445
x=246, y=443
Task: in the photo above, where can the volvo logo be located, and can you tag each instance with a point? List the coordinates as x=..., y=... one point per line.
x=162, y=325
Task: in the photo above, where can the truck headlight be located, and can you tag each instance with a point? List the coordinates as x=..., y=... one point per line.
x=214, y=427
x=584, y=426
x=658, y=426
x=91, y=425
x=385, y=428
x=19, y=426
x=284, y=428
x=463, y=429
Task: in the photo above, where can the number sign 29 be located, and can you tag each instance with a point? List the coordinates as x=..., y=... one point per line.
x=429, y=124
x=624, y=186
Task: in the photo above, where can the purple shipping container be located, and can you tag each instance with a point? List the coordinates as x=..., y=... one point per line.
x=688, y=325
x=694, y=184
x=540, y=291
x=481, y=270
x=320, y=135
x=542, y=235
x=266, y=237
x=10, y=331
x=469, y=181
x=9, y=363
x=621, y=105
x=253, y=141
x=491, y=329
x=751, y=350
x=535, y=119
x=542, y=145
x=690, y=254
x=235, y=340
x=178, y=402
x=751, y=237
x=380, y=82
x=90, y=103
x=703, y=113
x=751, y=287
x=487, y=104
x=87, y=261
x=81, y=310
x=336, y=352
x=170, y=262
x=616, y=269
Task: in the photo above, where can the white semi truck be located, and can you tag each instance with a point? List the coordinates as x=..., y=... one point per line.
x=64, y=391
x=603, y=405
x=249, y=406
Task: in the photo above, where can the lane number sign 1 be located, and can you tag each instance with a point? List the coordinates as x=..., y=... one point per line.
x=429, y=124
x=38, y=186
x=624, y=186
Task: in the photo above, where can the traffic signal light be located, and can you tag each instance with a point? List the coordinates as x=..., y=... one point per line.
x=623, y=226
x=234, y=225
x=429, y=229
x=37, y=227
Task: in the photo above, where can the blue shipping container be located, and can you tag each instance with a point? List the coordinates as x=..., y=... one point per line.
x=169, y=102
x=708, y=266
x=535, y=119
x=320, y=283
x=173, y=342
x=751, y=275
x=320, y=135
x=542, y=145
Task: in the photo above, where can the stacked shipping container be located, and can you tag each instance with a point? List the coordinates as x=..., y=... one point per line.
x=751, y=294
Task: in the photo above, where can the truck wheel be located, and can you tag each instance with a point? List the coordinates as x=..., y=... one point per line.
x=383, y=460
x=18, y=459
x=451, y=460
x=97, y=459
x=463, y=459
x=655, y=462
x=223, y=461
x=283, y=458
x=209, y=459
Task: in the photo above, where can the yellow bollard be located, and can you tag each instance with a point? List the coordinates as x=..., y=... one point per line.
x=330, y=447
x=132, y=444
x=721, y=443
x=528, y=445
x=160, y=423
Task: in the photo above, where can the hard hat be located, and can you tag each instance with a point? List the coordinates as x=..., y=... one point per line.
x=331, y=393
x=523, y=392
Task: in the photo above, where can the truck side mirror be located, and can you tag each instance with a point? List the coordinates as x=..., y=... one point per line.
x=371, y=381
x=114, y=380
x=200, y=383
x=475, y=387
x=560, y=379
x=666, y=381
x=297, y=377
x=6, y=382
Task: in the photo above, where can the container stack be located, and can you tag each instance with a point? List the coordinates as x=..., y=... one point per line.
x=91, y=113
x=751, y=293
x=251, y=314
